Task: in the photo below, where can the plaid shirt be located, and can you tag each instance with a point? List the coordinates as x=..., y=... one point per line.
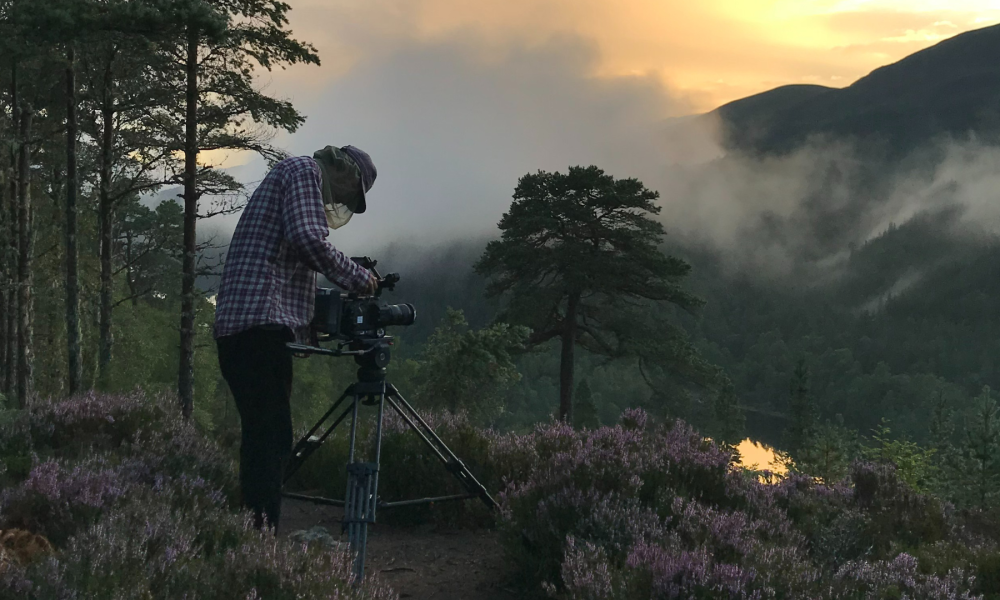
x=276, y=250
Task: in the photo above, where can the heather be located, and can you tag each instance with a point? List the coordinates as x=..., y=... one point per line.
x=137, y=500
x=649, y=508
x=654, y=510
x=134, y=498
x=410, y=470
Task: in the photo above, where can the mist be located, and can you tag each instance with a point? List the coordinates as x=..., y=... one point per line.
x=453, y=123
x=452, y=127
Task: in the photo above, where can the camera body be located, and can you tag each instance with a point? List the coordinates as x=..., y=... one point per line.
x=349, y=318
x=354, y=318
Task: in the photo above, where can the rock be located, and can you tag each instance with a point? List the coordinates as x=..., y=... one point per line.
x=318, y=536
x=17, y=545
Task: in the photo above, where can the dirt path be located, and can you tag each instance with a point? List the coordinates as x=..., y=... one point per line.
x=422, y=563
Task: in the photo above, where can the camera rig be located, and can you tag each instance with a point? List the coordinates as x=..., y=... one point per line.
x=356, y=324
x=355, y=318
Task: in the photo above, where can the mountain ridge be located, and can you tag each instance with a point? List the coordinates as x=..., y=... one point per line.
x=951, y=89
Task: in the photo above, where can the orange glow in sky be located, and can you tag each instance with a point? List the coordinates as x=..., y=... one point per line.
x=707, y=52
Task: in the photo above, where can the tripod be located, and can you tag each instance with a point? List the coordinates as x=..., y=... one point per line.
x=361, y=499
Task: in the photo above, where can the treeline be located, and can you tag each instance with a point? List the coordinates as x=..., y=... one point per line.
x=907, y=330
x=104, y=104
x=108, y=108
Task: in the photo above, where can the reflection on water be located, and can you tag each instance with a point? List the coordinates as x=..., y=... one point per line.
x=760, y=457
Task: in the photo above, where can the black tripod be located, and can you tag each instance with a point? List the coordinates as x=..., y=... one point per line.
x=361, y=499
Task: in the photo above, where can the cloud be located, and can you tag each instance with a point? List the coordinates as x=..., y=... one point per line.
x=714, y=50
x=452, y=125
x=802, y=214
x=455, y=101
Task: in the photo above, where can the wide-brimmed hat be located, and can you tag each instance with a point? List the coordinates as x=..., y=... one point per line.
x=368, y=173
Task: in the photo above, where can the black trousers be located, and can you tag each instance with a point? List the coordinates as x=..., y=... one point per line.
x=258, y=369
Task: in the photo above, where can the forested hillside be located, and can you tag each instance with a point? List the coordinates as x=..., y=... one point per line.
x=949, y=89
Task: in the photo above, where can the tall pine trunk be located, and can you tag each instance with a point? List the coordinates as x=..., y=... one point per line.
x=8, y=268
x=566, y=360
x=106, y=233
x=185, y=380
x=10, y=366
x=75, y=360
x=5, y=281
x=24, y=273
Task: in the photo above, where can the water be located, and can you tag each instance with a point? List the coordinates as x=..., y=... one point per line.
x=761, y=457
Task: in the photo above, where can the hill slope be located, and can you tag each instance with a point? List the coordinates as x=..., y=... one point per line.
x=952, y=88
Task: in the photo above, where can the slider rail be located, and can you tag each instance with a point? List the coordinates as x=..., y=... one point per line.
x=307, y=349
x=296, y=348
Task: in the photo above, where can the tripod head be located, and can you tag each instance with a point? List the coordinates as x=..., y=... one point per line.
x=372, y=364
x=371, y=356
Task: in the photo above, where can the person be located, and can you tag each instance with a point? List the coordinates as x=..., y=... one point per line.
x=266, y=300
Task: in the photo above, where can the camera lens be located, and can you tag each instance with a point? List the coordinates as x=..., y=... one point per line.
x=397, y=314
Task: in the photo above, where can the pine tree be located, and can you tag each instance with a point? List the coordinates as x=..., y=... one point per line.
x=469, y=369
x=63, y=28
x=829, y=452
x=802, y=412
x=47, y=26
x=25, y=254
x=123, y=96
x=222, y=43
x=12, y=51
x=730, y=421
x=578, y=252
x=8, y=260
x=982, y=451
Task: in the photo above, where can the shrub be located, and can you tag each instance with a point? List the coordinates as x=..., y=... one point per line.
x=93, y=422
x=897, y=515
x=897, y=578
x=15, y=446
x=145, y=549
x=57, y=499
x=654, y=511
x=179, y=450
x=138, y=505
x=614, y=487
x=409, y=469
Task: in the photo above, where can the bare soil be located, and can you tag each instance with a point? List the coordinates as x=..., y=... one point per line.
x=419, y=563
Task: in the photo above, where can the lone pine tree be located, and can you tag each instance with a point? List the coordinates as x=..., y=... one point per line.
x=578, y=253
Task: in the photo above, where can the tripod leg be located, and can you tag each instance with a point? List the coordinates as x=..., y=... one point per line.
x=310, y=442
x=437, y=445
x=362, y=496
x=359, y=511
x=354, y=427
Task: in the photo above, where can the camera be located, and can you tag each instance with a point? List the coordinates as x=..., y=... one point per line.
x=354, y=318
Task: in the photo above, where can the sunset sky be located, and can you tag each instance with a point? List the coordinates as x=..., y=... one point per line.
x=455, y=100
x=707, y=52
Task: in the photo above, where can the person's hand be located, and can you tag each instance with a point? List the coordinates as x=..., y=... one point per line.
x=371, y=287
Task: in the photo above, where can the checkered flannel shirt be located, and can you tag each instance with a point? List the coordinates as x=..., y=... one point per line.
x=279, y=244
